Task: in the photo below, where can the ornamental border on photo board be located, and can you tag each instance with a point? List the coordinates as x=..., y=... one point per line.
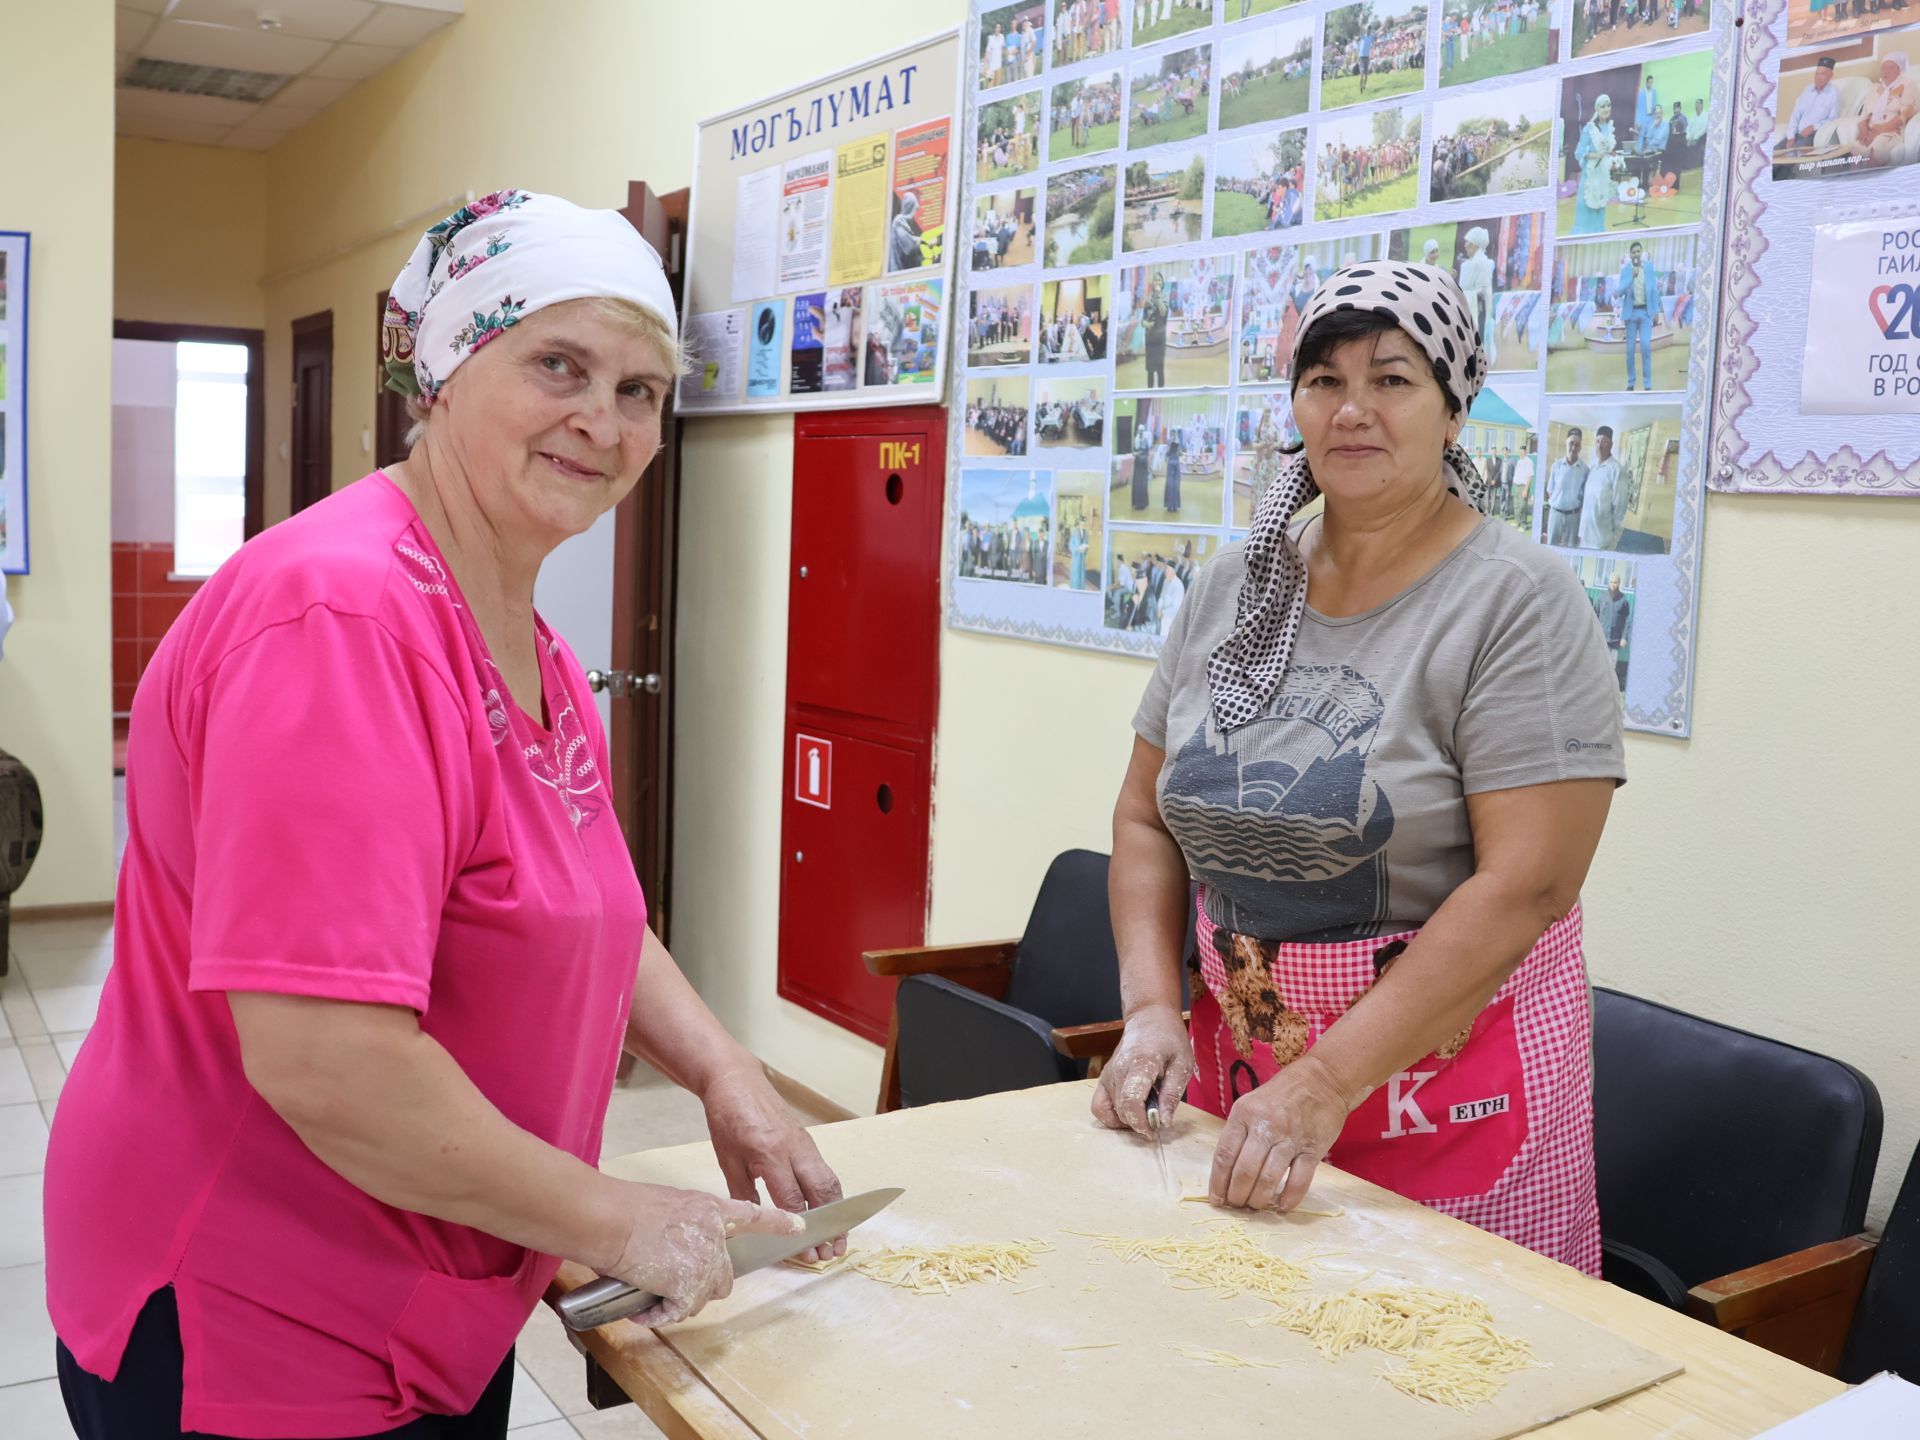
x=15, y=556
x=798, y=120
x=1763, y=325
x=1659, y=687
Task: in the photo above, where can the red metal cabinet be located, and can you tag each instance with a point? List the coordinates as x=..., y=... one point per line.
x=863, y=644
x=854, y=874
x=865, y=583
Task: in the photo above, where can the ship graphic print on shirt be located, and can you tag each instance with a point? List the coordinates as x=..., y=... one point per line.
x=1289, y=799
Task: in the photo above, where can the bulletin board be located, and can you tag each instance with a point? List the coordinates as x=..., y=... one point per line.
x=817, y=254
x=1145, y=143
x=1818, y=390
x=15, y=246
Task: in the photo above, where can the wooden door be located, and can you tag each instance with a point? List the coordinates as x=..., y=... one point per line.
x=312, y=410
x=646, y=549
x=390, y=419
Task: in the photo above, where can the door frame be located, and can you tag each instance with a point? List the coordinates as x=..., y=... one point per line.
x=304, y=326
x=646, y=549
x=166, y=332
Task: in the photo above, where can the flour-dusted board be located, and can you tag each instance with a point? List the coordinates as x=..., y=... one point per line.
x=817, y=241
x=1795, y=214
x=1235, y=155
x=799, y=1354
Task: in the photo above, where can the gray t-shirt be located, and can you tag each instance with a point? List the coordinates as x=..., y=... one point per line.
x=1341, y=813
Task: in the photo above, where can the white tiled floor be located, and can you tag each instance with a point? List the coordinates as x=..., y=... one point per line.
x=47, y=1003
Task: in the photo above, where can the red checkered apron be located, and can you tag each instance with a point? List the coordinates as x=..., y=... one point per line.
x=1499, y=1135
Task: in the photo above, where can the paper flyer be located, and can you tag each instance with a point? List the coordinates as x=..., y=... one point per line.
x=903, y=334
x=859, y=210
x=1863, y=320
x=916, y=230
x=805, y=200
x=716, y=340
x=765, y=356
x=843, y=336
x=756, y=213
x=808, y=367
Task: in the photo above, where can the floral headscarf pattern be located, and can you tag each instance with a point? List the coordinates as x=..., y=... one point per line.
x=495, y=261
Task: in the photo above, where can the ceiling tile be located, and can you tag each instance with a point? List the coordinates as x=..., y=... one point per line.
x=152, y=105
x=307, y=93
x=402, y=25
x=274, y=53
x=249, y=138
x=120, y=64
x=152, y=7
x=282, y=117
x=306, y=19
x=355, y=62
x=186, y=134
x=130, y=28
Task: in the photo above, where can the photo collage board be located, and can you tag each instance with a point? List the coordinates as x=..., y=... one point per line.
x=1818, y=386
x=1152, y=190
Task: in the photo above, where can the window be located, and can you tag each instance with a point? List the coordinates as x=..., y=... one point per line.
x=209, y=455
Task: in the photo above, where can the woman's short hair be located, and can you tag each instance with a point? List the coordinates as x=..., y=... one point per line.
x=651, y=328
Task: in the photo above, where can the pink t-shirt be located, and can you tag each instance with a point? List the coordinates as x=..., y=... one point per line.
x=329, y=795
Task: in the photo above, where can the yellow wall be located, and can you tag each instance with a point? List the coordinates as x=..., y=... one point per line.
x=56, y=682
x=1759, y=874
x=465, y=112
x=190, y=234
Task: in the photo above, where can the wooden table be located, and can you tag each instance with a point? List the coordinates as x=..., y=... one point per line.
x=1729, y=1390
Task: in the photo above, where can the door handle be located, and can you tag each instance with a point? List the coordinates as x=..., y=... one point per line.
x=622, y=684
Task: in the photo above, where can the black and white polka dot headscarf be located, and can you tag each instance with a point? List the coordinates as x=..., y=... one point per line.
x=1427, y=302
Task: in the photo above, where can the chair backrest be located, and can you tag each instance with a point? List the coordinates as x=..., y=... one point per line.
x=1066, y=970
x=1717, y=1149
x=1886, y=1327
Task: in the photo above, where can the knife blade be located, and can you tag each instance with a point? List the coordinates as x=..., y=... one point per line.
x=604, y=1301
x=1157, y=1125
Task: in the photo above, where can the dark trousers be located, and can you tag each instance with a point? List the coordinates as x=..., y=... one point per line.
x=142, y=1402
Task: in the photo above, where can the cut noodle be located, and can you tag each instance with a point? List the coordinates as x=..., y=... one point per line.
x=1227, y=1262
x=1453, y=1354
x=937, y=1270
x=1223, y=1358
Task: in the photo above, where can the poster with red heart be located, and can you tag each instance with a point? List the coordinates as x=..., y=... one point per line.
x=1863, y=320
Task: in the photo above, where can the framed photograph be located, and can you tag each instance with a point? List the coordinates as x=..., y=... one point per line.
x=13, y=401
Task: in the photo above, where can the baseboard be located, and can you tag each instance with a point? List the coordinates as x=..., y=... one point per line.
x=808, y=1101
x=94, y=910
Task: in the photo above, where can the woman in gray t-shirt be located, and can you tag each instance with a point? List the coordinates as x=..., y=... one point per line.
x=1385, y=743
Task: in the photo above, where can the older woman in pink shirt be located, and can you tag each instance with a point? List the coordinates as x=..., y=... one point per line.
x=378, y=938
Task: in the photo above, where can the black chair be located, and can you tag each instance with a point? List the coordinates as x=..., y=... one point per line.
x=1886, y=1328
x=1717, y=1150
x=1849, y=1307
x=1009, y=1014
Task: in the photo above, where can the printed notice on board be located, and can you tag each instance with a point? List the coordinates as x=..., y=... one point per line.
x=1863, y=320
x=756, y=215
x=918, y=228
x=716, y=340
x=859, y=210
x=766, y=357
x=805, y=189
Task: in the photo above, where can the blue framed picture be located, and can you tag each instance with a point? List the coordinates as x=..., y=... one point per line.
x=13, y=401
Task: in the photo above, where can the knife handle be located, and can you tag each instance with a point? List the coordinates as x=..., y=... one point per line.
x=601, y=1303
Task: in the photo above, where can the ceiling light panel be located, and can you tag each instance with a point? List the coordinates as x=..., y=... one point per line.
x=402, y=25
x=233, y=49
x=303, y=19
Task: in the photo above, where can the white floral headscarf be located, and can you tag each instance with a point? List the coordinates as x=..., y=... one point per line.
x=495, y=261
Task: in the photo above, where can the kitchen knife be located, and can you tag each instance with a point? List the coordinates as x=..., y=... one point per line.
x=1157, y=1124
x=604, y=1301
